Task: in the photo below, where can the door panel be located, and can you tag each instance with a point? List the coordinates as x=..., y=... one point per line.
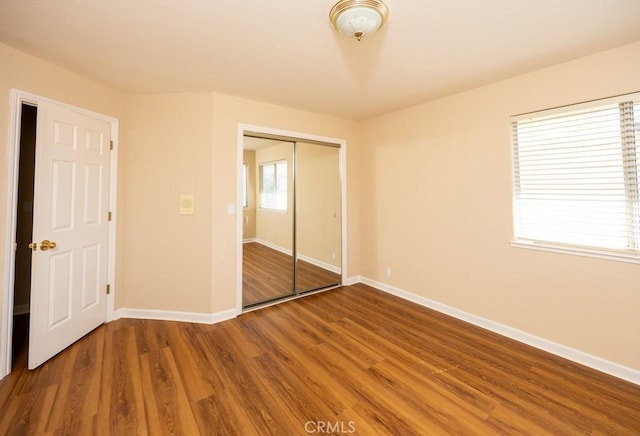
x=60, y=288
x=268, y=256
x=318, y=217
x=62, y=195
x=90, y=276
x=70, y=209
x=93, y=181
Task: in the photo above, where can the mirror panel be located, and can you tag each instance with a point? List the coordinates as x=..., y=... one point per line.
x=267, y=221
x=318, y=217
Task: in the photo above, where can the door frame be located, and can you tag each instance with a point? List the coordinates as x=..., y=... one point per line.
x=17, y=98
x=269, y=132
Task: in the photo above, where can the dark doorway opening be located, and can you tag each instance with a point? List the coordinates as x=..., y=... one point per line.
x=24, y=234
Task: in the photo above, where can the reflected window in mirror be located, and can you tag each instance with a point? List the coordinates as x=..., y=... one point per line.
x=273, y=185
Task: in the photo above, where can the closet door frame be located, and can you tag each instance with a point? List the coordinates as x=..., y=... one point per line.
x=291, y=136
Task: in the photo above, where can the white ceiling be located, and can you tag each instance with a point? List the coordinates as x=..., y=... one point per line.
x=286, y=52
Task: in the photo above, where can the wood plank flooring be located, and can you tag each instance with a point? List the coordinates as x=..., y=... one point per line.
x=268, y=274
x=352, y=360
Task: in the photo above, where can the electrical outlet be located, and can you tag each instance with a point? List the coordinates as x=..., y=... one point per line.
x=388, y=272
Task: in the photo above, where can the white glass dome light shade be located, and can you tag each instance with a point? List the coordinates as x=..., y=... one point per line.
x=358, y=18
x=358, y=21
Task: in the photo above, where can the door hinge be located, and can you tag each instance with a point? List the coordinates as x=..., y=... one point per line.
x=111, y=145
x=108, y=289
x=109, y=216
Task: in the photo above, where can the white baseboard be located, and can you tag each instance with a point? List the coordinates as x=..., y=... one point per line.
x=569, y=353
x=21, y=309
x=249, y=240
x=286, y=251
x=172, y=315
x=353, y=281
x=311, y=260
x=320, y=264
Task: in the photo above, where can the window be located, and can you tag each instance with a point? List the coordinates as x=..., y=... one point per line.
x=245, y=185
x=576, y=178
x=273, y=185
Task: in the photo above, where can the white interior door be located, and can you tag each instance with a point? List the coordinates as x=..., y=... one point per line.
x=70, y=229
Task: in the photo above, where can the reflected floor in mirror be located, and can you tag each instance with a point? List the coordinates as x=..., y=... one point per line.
x=267, y=274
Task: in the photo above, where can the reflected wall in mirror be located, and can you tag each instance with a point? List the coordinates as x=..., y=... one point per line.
x=291, y=200
x=318, y=217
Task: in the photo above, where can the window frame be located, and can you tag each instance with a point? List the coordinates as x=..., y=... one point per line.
x=245, y=186
x=631, y=255
x=275, y=165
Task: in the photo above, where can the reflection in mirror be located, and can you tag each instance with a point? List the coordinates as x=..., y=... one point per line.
x=291, y=198
x=267, y=248
x=318, y=217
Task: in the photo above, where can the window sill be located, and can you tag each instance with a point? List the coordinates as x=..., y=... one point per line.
x=618, y=256
x=268, y=209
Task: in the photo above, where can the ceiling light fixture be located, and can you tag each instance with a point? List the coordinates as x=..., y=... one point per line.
x=358, y=18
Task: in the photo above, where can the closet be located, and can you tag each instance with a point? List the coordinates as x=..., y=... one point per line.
x=292, y=218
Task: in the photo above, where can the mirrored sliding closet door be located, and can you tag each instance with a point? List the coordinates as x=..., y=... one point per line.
x=292, y=219
x=318, y=217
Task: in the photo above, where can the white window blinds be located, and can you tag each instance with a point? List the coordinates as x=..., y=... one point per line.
x=576, y=176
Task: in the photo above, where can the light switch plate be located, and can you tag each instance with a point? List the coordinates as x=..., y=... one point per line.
x=186, y=204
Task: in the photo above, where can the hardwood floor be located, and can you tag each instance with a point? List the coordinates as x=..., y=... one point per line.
x=348, y=360
x=310, y=277
x=268, y=274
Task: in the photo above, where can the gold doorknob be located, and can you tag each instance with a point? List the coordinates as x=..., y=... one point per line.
x=33, y=246
x=47, y=245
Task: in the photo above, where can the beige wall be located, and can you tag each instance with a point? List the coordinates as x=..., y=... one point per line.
x=29, y=74
x=275, y=227
x=437, y=211
x=249, y=212
x=165, y=153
